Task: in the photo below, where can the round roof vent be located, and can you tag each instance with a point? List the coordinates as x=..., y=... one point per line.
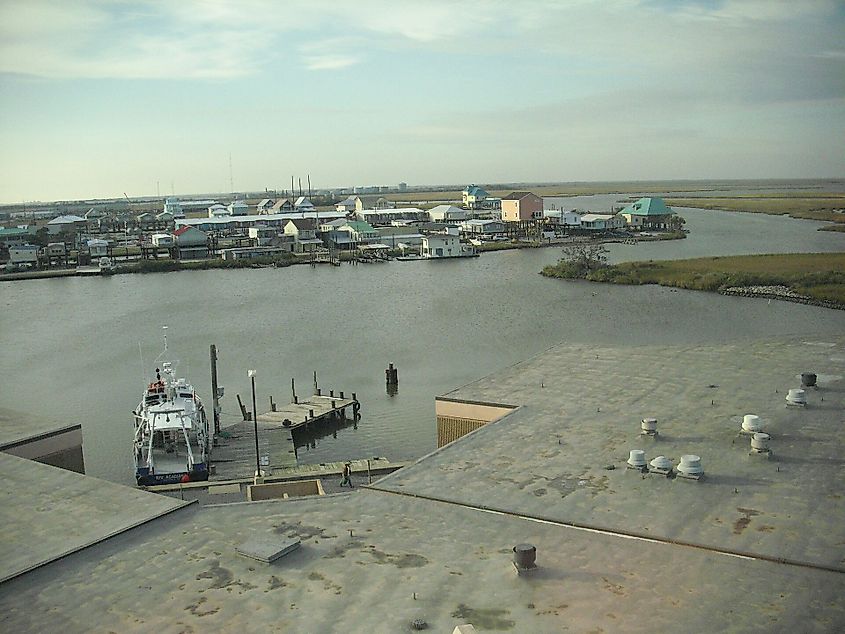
x=661, y=462
x=751, y=423
x=690, y=465
x=797, y=396
x=637, y=458
x=760, y=442
x=808, y=379
x=649, y=425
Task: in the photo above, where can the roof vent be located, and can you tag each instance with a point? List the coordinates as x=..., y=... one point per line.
x=661, y=466
x=796, y=396
x=524, y=557
x=690, y=467
x=760, y=444
x=808, y=379
x=649, y=427
x=636, y=460
x=751, y=424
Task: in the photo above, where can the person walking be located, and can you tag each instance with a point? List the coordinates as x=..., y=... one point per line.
x=347, y=475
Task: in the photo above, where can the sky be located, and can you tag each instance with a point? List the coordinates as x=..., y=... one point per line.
x=99, y=98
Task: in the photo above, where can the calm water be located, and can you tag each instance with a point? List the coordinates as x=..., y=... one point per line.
x=71, y=346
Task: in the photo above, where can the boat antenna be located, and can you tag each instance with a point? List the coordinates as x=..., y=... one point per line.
x=163, y=352
x=143, y=367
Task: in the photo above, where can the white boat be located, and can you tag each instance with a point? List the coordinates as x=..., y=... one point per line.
x=172, y=442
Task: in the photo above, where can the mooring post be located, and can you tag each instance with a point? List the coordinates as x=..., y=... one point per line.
x=310, y=413
x=341, y=394
x=272, y=404
x=293, y=390
x=244, y=413
x=331, y=393
x=316, y=389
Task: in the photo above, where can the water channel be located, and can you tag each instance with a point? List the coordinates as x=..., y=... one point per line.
x=72, y=347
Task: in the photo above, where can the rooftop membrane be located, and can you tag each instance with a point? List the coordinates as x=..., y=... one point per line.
x=617, y=550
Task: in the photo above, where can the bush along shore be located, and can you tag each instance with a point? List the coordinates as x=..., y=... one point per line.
x=809, y=278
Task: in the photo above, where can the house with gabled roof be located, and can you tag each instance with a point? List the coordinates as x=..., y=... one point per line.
x=474, y=197
x=264, y=206
x=304, y=204
x=521, y=207
x=648, y=213
x=282, y=204
x=346, y=205
x=373, y=202
x=304, y=233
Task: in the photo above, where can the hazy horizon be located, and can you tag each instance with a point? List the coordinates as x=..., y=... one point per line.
x=103, y=98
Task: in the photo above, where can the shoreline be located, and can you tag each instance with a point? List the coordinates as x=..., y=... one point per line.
x=214, y=263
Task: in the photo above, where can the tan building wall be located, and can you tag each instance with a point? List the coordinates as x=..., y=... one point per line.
x=456, y=418
x=522, y=209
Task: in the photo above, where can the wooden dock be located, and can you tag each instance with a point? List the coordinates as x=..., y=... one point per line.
x=233, y=456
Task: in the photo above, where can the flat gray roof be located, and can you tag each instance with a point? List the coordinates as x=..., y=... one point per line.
x=17, y=427
x=47, y=512
x=434, y=540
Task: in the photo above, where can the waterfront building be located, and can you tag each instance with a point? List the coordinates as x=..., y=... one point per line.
x=447, y=214
x=602, y=222
x=648, y=213
x=26, y=254
x=304, y=234
x=394, y=236
x=97, y=248
x=521, y=207
x=478, y=226
x=387, y=216
x=562, y=218
x=191, y=242
x=15, y=236
x=445, y=245
x=474, y=197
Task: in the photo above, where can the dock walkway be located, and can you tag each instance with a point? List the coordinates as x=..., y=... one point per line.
x=234, y=455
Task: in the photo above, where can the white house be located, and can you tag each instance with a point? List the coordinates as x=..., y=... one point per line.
x=98, y=248
x=218, y=211
x=447, y=213
x=346, y=205
x=602, y=222
x=477, y=226
x=444, y=245
x=238, y=208
x=23, y=254
x=562, y=217
x=174, y=207
x=163, y=239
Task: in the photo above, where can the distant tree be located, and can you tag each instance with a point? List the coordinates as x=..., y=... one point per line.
x=585, y=257
x=676, y=222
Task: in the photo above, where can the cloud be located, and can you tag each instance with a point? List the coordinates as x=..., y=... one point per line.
x=329, y=61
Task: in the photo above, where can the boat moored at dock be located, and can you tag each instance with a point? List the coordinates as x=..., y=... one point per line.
x=171, y=441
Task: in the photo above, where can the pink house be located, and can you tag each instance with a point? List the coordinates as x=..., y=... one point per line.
x=521, y=206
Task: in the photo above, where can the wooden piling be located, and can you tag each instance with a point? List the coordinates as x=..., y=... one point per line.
x=243, y=409
x=215, y=400
x=272, y=404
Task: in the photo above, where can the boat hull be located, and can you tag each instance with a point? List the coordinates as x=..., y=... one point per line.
x=144, y=478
